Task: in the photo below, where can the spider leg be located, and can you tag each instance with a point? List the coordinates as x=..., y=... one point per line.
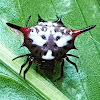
x=72, y=55
x=24, y=65
x=27, y=21
x=62, y=71
x=30, y=63
x=62, y=68
x=21, y=56
x=72, y=63
x=37, y=68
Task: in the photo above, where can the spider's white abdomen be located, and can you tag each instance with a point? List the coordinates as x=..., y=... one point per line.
x=46, y=30
x=50, y=37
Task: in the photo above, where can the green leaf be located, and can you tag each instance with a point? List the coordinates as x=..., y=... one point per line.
x=77, y=14
x=12, y=90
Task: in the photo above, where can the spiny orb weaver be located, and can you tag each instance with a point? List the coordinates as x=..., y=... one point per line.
x=48, y=43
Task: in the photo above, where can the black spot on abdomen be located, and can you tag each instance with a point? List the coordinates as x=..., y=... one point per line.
x=33, y=46
x=65, y=47
x=45, y=53
x=30, y=40
x=36, y=51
